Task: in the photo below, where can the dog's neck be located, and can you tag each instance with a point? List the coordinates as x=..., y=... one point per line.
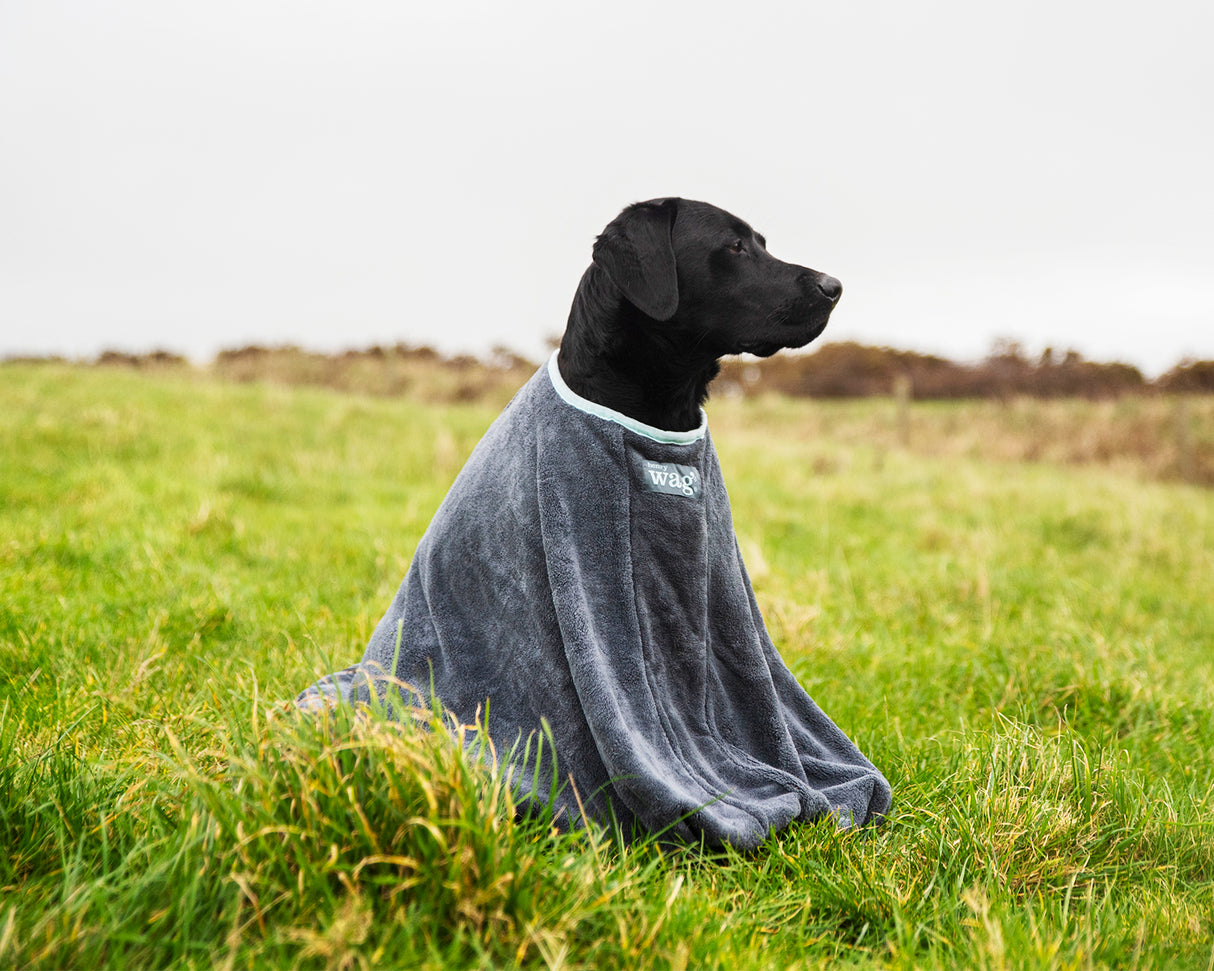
x=615, y=356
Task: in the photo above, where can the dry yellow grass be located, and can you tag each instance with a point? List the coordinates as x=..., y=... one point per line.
x=1151, y=437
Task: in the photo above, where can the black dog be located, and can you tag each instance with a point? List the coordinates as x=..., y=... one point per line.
x=675, y=285
x=582, y=577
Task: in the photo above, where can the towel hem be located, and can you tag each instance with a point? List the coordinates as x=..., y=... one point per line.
x=572, y=398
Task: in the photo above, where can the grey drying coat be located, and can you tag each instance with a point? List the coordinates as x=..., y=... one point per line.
x=583, y=570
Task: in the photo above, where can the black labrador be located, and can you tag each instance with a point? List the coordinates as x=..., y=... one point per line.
x=674, y=285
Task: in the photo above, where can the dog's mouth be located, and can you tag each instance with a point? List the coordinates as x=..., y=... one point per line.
x=814, y=330
x=788, y=331
x=762, y=350
x=768, y=348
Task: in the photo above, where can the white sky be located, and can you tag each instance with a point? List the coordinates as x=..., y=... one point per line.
x=208, y=174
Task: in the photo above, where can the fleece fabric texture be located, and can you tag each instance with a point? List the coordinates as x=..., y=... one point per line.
x=583, y=571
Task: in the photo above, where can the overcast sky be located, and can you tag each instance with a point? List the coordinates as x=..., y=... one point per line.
x=200, y=175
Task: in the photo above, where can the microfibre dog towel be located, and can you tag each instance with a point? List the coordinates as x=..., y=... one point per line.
x=583, y=571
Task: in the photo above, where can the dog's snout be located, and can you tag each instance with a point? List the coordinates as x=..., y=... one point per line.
x=831, y=288
x=811, y=281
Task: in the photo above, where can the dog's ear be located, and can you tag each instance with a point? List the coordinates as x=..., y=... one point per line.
x=637, y=255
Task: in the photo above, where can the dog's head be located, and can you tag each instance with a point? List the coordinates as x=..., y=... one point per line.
x=696, y=268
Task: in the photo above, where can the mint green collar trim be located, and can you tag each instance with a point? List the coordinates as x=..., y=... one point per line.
x=570, y=397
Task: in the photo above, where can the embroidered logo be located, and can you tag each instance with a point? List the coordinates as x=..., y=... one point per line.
x=671, y=479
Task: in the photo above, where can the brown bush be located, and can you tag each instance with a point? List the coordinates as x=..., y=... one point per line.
x=849, y=370
x=834, y=370
x=154, y=359
x=419, y=372
x=1189, y=377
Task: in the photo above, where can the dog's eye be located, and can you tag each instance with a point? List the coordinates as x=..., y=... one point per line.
x=736, y=247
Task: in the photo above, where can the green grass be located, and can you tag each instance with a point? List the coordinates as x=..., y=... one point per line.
x=1027, y=651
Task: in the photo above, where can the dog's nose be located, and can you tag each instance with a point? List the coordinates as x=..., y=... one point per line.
x=831, y=288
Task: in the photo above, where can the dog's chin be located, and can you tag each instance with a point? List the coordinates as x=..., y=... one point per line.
x=763, y=349
x=790, y=336
x=813, y=331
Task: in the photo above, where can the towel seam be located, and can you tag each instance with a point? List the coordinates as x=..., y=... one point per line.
x=729, y=796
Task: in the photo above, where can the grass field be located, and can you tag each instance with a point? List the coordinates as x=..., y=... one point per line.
x=1025, y=649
